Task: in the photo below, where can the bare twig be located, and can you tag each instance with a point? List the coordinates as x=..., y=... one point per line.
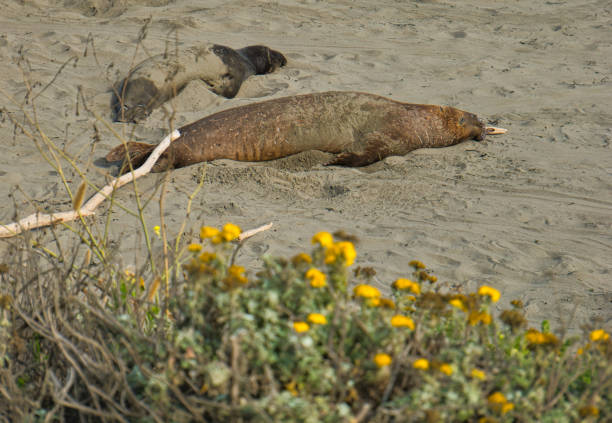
x=247, y=234
x=75, y=58
x=363, y=413
x=38, y=220
x=235, y=392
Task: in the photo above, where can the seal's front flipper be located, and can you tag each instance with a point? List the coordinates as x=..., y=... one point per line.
x=358, y=159
x=370, y=148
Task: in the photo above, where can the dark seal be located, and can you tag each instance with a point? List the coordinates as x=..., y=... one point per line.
x=359, y=128
x=159, y=78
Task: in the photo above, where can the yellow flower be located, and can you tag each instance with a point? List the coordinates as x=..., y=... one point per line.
x=194, y=248
x=317, y=278
x=382, y=359
x=366, y=291
x=292, y=388
x=432, y=278
x=499, y=403
x=421, y=364
x=400, y=321
x=599, y=335
x=230, y=232
x=456, y=302
x=387, y=303
x=476, y=317
x=324, y=239
x=403, y=284
x=417, y=264
x=478, y=374
x=206, y=257
x=156, y=230
x=317, y=319
x=497, y=398
x=588, y=410
x=373, y=302
x=330, y=255
x=347, y=250
x=490, y=292
x=507, y=407
x=235, y=270
x=208, y=232
x=535, y=337
x=344, y=249
x=446, y=369
x=301, y=258
x=300, y=327
x=235, y=277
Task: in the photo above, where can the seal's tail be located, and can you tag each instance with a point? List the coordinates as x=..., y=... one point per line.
x=137, y=152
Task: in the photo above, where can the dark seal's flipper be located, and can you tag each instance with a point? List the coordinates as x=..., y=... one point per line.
x=158, y=79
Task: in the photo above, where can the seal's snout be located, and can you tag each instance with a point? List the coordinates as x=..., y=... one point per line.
x=264, y=59
x=471, y=127
x=278, y=57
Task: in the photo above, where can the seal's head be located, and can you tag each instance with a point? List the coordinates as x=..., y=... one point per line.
x=263, y=59
x=465, y=125
x=133, y=99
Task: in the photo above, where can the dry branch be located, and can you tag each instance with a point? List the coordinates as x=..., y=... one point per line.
x=247, y=234
x=38, y=220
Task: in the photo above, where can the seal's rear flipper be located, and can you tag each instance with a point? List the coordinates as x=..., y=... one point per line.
x=136, y=151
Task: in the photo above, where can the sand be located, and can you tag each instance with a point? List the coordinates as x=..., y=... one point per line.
x=529, y=212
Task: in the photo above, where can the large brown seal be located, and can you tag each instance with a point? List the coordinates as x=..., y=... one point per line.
x=159, y=78
x=360, y=128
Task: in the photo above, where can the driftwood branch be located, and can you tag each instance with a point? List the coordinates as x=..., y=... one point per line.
x=246, y=235
x=251, y=232
x=38, y=220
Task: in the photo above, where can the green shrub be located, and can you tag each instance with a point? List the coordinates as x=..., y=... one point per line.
x=292, y=343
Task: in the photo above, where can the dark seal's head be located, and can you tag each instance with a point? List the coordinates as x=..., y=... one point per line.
x=465, y=125
x=263, y=59
x=133, y=100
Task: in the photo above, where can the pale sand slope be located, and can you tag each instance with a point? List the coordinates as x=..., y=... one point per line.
x=529, y=212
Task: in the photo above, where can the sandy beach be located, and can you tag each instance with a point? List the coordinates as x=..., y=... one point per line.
x=529, y=213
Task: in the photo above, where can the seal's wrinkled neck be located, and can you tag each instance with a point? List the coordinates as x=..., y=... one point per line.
x=483, y=130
